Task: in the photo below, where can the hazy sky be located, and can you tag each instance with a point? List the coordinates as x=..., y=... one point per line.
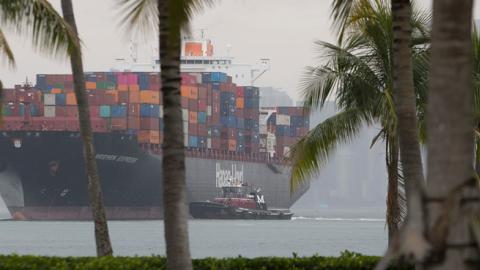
x=282, y=30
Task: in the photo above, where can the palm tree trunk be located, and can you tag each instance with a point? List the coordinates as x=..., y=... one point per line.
x=174, y=183
x=450, y=136
x=102, y=238
x=407, y=127
x=393, y=207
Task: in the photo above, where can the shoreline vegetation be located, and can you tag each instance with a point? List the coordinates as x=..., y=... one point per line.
x=347, y=260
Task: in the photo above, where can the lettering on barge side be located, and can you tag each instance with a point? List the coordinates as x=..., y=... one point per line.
x=228, y=177
x=116, y=158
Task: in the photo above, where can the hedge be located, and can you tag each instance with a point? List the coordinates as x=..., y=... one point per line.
x=347, y=260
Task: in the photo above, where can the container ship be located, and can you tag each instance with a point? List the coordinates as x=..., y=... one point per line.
x=229, y=140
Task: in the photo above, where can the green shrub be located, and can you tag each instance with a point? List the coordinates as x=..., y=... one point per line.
x=347, y=260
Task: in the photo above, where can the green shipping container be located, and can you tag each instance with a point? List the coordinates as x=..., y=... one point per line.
x=105, y=111
x=6, y=111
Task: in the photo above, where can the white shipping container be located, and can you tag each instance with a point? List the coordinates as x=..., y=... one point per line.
x=283, y=119
x=263, y=129
x=286, y=151
x=185, y=127
x=185, y=115
x=263, y=142
x=185, y=140
x=49, y=111
x=209, y=110
x=209, y=142
x=49, y=99
x=160, y=114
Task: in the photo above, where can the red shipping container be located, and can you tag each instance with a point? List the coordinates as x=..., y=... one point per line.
x=202, y=105
x=216, y=143
x=133, y=122
x=215, y=119
x=99, y=124
x=154, y=79
x=232, y=133
x=71, y=111
x=149, y=123
x=94, y=111
x=184, y=102
x=132, y=79
x=202, y=130
x=118, y=123
x=193, y=105
x=133, y=109
x=123, y=97
x=60, y=111
x=239, y=91
x=202, y=92
x=193, y=129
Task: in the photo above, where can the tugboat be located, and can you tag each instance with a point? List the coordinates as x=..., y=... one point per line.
x=237, y=202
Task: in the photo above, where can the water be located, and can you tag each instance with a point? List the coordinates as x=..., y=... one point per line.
x=208, y=238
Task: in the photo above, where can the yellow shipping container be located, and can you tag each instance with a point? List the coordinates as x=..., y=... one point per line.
x=150, y=97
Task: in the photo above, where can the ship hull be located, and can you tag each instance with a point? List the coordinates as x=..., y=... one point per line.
x=42, y=177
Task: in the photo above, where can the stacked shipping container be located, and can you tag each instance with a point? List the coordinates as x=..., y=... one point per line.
x=216, y=113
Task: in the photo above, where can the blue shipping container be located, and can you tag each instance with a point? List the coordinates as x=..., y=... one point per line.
x=192, y=141
x=149, y=110
x=202, y=117
x=202, y=142
x=104, y=111
x=241, y=123
x=218, y=77
x=34, y=111
x=232, y=122
x=206, y=77
x=60, y=99
x=118, y=111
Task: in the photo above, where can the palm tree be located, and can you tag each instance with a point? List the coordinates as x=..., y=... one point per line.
x=172, y=16
x=359, y=77
x=410, y=239
x=450, y=136
x=39, y=19
x=102, y=238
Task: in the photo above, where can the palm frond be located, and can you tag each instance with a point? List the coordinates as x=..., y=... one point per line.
x=139, y=16
x=310, y=152
x=49, y=32
x=142, y=15
x=180, y=12
x=5, y=48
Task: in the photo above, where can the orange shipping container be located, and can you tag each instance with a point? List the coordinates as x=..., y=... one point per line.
x=91, y=85
x=150, y=97
x=113, y=93
x=193, y=92
x=134, y=97
x=134, y=87
x=149, y=136
x=56, y=91
x=193, y=117
x=232, y=145
x=184, y=91
x=71, y=99
x=240, y=103
x=122, y=87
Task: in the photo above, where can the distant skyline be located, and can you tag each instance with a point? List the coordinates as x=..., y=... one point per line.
x=282, y=30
